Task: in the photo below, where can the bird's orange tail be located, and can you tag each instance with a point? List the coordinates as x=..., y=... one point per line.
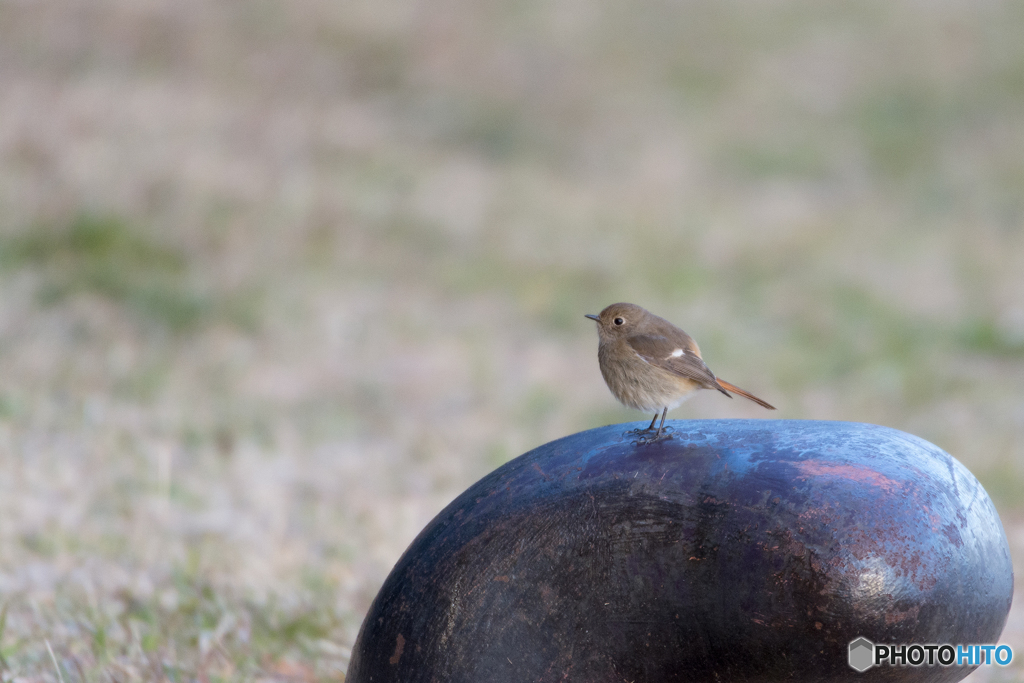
x=745, y=394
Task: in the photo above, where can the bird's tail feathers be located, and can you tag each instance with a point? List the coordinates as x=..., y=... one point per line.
x=745, y=394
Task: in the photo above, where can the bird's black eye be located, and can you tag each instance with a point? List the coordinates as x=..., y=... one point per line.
x=618, y=321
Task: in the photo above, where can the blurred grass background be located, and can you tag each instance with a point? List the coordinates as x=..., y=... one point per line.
x=279, y=280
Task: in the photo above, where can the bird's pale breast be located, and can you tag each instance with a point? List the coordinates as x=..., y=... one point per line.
x=640, y=385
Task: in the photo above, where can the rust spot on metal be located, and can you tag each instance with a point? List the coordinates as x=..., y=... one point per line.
x=817, y=468
x=399, y=648
x=896, y=616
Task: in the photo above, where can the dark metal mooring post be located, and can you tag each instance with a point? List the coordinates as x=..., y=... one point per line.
x=737, y=550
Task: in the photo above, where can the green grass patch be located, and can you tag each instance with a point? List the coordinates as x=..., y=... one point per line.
x=1004, y=482
x=801, y=159
x=986, y=336
x=106, y=256
x=185, y=628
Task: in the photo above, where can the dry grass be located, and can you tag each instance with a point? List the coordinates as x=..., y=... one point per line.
x=281, y=279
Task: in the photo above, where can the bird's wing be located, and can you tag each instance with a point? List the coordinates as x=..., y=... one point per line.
x=679, y=356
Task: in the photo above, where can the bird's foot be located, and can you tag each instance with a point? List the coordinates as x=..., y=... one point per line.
x=649, y=436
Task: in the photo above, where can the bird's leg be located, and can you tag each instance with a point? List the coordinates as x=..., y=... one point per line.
x=662, y=425
x=642, y=433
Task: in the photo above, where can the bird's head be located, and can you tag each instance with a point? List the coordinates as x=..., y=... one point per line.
x=619, y=320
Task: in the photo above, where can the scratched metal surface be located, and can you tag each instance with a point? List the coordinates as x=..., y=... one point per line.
x=737, y=550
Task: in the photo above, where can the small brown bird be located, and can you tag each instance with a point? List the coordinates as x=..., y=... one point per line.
x=650, y=364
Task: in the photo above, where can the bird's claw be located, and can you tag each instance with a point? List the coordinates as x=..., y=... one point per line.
x=649, y=436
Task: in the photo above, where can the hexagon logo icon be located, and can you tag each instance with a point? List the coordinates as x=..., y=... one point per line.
x=862, y=654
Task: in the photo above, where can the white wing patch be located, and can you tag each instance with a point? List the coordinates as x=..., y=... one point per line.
x=676, y=353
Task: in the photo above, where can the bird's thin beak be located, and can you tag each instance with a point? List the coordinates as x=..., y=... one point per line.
x=592, y=316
